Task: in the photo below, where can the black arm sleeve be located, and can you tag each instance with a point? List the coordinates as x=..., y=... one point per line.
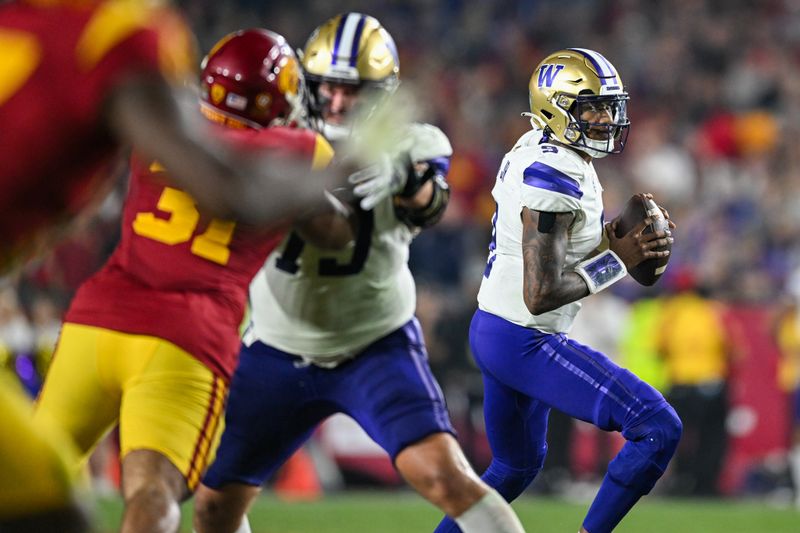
x=431, y=213
x=414, y=179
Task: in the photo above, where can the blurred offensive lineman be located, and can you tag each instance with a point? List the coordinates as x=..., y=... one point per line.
x=152, y=339
x=337, y=333
x=549, y=249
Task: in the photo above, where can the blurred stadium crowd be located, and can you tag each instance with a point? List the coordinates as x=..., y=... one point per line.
x=715, y=112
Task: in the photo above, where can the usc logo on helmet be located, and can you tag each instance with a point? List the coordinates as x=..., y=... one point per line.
x=217, y=93
x=289, y=76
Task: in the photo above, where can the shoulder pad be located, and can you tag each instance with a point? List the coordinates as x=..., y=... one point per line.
x=553, y=156
x=110, y=24
x=528, y=139
x=558, y=157
x=427, y=142
x=115, y=21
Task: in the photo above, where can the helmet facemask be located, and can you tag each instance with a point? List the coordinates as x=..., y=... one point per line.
x=598, y=139
x=368, y=96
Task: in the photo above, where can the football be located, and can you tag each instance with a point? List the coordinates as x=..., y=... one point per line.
x=637, y=209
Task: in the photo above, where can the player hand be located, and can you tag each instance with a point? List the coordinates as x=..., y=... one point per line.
x=663, y=211
x=636, y=246
x=378, y=181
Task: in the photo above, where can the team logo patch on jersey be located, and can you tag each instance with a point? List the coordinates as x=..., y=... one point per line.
x=549, y=148
x=217, y=93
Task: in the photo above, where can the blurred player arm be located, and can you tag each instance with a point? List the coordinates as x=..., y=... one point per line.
x=546, y=284
x=164, y=125
x=419, y=189
x=423, y=201
x=332, y=227
x=415, y=178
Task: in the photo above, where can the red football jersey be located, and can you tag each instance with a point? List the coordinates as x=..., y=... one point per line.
x=182, y=276
x=59, y=61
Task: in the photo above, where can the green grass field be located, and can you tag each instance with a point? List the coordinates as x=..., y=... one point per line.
x=404, y=512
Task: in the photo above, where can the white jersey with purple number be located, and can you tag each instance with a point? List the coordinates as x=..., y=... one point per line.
x=548, y=178
x=326, y=306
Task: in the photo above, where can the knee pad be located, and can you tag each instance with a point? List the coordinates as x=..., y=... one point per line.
x=510, y=482
x=650, y=446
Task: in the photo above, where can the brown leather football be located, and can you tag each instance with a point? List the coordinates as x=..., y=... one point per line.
x=637, y=209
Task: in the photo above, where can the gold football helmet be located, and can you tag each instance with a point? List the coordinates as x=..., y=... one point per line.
x=352, y=49
x=566, y=85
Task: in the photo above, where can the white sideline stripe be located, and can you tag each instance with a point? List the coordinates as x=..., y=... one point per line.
x=431, y=385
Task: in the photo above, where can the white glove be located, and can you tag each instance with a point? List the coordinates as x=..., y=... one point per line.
x=387, y=177
x=426, y=142
x=378, y=181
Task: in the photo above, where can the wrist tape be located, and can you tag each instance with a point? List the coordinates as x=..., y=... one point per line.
x=601, y=271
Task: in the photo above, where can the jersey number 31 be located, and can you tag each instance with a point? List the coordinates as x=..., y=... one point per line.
x=212, y=244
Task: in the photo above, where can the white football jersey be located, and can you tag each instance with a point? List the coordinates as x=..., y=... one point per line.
x=542, y=177
x=327, y=306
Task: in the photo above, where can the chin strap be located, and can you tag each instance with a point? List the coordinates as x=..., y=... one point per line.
x=592, y=147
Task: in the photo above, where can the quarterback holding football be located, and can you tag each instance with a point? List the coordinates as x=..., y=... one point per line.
x=550, y=248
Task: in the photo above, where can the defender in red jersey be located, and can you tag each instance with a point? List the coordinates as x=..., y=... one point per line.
x=83, y=79
x=175, y=268
x=151, y=340
x=67, y=68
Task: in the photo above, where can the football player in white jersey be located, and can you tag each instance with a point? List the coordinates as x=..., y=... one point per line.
x=549, y=249
x=334, y=331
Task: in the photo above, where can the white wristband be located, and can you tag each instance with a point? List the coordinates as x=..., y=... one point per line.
x=601, y=271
